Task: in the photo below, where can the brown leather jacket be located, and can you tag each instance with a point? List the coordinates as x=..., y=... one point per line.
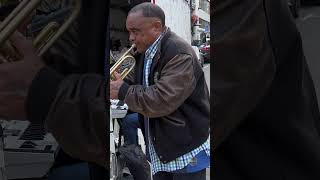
x=177, y=100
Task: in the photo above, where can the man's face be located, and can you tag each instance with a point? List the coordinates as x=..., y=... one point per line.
x=143, y=31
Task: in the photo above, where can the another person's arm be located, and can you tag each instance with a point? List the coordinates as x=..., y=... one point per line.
x=248, y=50
x=73, y=107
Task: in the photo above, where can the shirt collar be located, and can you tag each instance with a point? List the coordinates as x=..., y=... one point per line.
x=152, y=49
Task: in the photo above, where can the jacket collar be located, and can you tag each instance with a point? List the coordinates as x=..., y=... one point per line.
x=158, y=53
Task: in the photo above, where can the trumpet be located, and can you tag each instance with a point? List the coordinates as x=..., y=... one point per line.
x=124, y=65
x=45, y=38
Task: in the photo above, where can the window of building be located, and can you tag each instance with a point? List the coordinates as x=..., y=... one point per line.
x=204, y=24
x=205, y=6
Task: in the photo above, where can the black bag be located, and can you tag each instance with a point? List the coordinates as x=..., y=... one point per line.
x=136, y=161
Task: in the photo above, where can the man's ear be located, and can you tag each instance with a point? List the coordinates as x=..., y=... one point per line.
x=157, y=26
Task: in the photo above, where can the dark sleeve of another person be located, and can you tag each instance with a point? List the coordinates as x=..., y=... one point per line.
x=74, y=107
x=244, y=65
x=75, y=112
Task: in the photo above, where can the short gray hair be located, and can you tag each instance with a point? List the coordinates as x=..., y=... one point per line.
x=150, y=10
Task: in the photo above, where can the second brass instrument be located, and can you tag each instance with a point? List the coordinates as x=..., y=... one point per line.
x=45, y=38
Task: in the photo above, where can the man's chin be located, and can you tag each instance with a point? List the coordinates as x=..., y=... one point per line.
x=140, y=51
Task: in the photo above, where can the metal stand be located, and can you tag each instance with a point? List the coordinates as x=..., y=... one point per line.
x=115, y=113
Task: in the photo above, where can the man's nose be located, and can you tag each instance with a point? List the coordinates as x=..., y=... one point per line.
x=131, y=38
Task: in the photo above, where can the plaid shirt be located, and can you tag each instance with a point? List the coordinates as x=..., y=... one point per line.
x=184, y=160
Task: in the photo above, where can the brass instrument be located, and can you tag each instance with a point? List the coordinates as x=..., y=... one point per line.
x=46, y=37
x=124, y=64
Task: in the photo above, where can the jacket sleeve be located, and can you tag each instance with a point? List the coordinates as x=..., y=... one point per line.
x=76, y=114
x=176, y=83
x=244, y=65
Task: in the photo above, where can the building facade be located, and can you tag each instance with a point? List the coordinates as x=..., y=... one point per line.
x=178, y=14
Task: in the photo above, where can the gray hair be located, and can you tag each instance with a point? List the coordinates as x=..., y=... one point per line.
x=150, y=10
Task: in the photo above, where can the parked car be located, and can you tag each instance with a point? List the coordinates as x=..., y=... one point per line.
x=200, y=57
x=205, y=51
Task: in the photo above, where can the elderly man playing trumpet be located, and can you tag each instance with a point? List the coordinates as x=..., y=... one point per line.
x=168, y=91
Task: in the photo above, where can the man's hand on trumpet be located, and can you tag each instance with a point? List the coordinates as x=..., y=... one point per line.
x=115, y=85
x=16, y=77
